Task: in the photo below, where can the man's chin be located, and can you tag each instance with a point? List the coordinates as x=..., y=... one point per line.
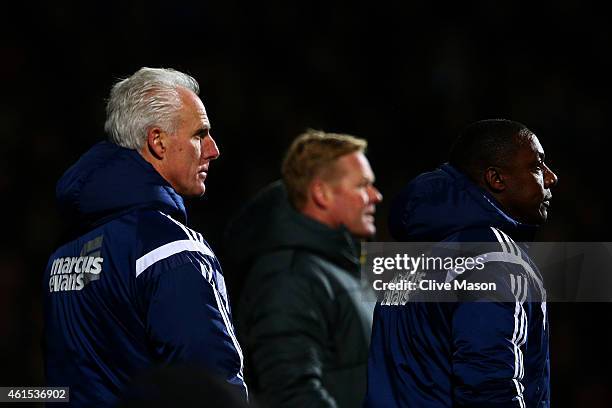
x=536, y=220
x=365, y=232
x=201, y=189
x=194, y=193
x=543, y=216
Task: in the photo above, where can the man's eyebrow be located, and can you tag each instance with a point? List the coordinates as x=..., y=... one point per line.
x=201, y=131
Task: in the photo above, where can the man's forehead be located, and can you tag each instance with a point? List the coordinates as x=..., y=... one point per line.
x=536, y=144
x=194, y=104
x=200, y=109
x=205, y=120
x=356, y=164
x=529, y=142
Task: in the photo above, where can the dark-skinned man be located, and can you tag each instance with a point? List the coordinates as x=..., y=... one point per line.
x=484, y=351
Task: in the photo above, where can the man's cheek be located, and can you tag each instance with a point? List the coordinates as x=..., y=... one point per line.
x=540, y=179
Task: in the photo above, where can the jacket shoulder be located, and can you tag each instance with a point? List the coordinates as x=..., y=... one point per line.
x=156, y=229
x=474, y=234
x=486, y=239
x=165, y=241
x=295, y=262
x=282, y=267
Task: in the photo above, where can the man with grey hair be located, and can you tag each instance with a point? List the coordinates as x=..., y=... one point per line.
x=135, y=287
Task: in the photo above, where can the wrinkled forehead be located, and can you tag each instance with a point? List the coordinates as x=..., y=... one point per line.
x=193, y=107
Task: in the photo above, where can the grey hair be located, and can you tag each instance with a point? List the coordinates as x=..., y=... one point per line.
x=148, y=98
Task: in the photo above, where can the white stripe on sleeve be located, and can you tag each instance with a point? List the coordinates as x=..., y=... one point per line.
x=168, y=250
x=230, y=329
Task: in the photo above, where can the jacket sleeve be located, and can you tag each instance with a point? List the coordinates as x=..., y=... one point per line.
x=285, y=333
x=186, y=322
x=488, y=342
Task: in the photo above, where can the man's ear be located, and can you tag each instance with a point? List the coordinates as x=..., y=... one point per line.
x=321, y=193
x=156, y=142
x=494, y=180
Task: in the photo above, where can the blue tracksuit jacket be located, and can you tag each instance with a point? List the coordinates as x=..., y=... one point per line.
x=473, y=353
x=136, y=289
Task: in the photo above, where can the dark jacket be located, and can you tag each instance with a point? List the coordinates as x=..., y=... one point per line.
x=301, y=317
x=481, y=351
x=137, y=289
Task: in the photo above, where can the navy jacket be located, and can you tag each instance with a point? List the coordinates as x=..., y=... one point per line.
x=136, y=289
x=477, y=352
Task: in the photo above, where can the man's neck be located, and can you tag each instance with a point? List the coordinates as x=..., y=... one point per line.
x=319, y=215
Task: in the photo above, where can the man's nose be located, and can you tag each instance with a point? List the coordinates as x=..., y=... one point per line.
x=550, y=178
x=375, y=195
x=211, y=151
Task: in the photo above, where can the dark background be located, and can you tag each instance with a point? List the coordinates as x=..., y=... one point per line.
x=407, y=76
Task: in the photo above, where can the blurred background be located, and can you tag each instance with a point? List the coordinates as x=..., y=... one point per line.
x=407, y=76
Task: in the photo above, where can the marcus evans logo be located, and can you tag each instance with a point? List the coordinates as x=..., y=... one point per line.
x=74, y=272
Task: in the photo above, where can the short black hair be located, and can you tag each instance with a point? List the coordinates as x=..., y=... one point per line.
x=489, y=142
